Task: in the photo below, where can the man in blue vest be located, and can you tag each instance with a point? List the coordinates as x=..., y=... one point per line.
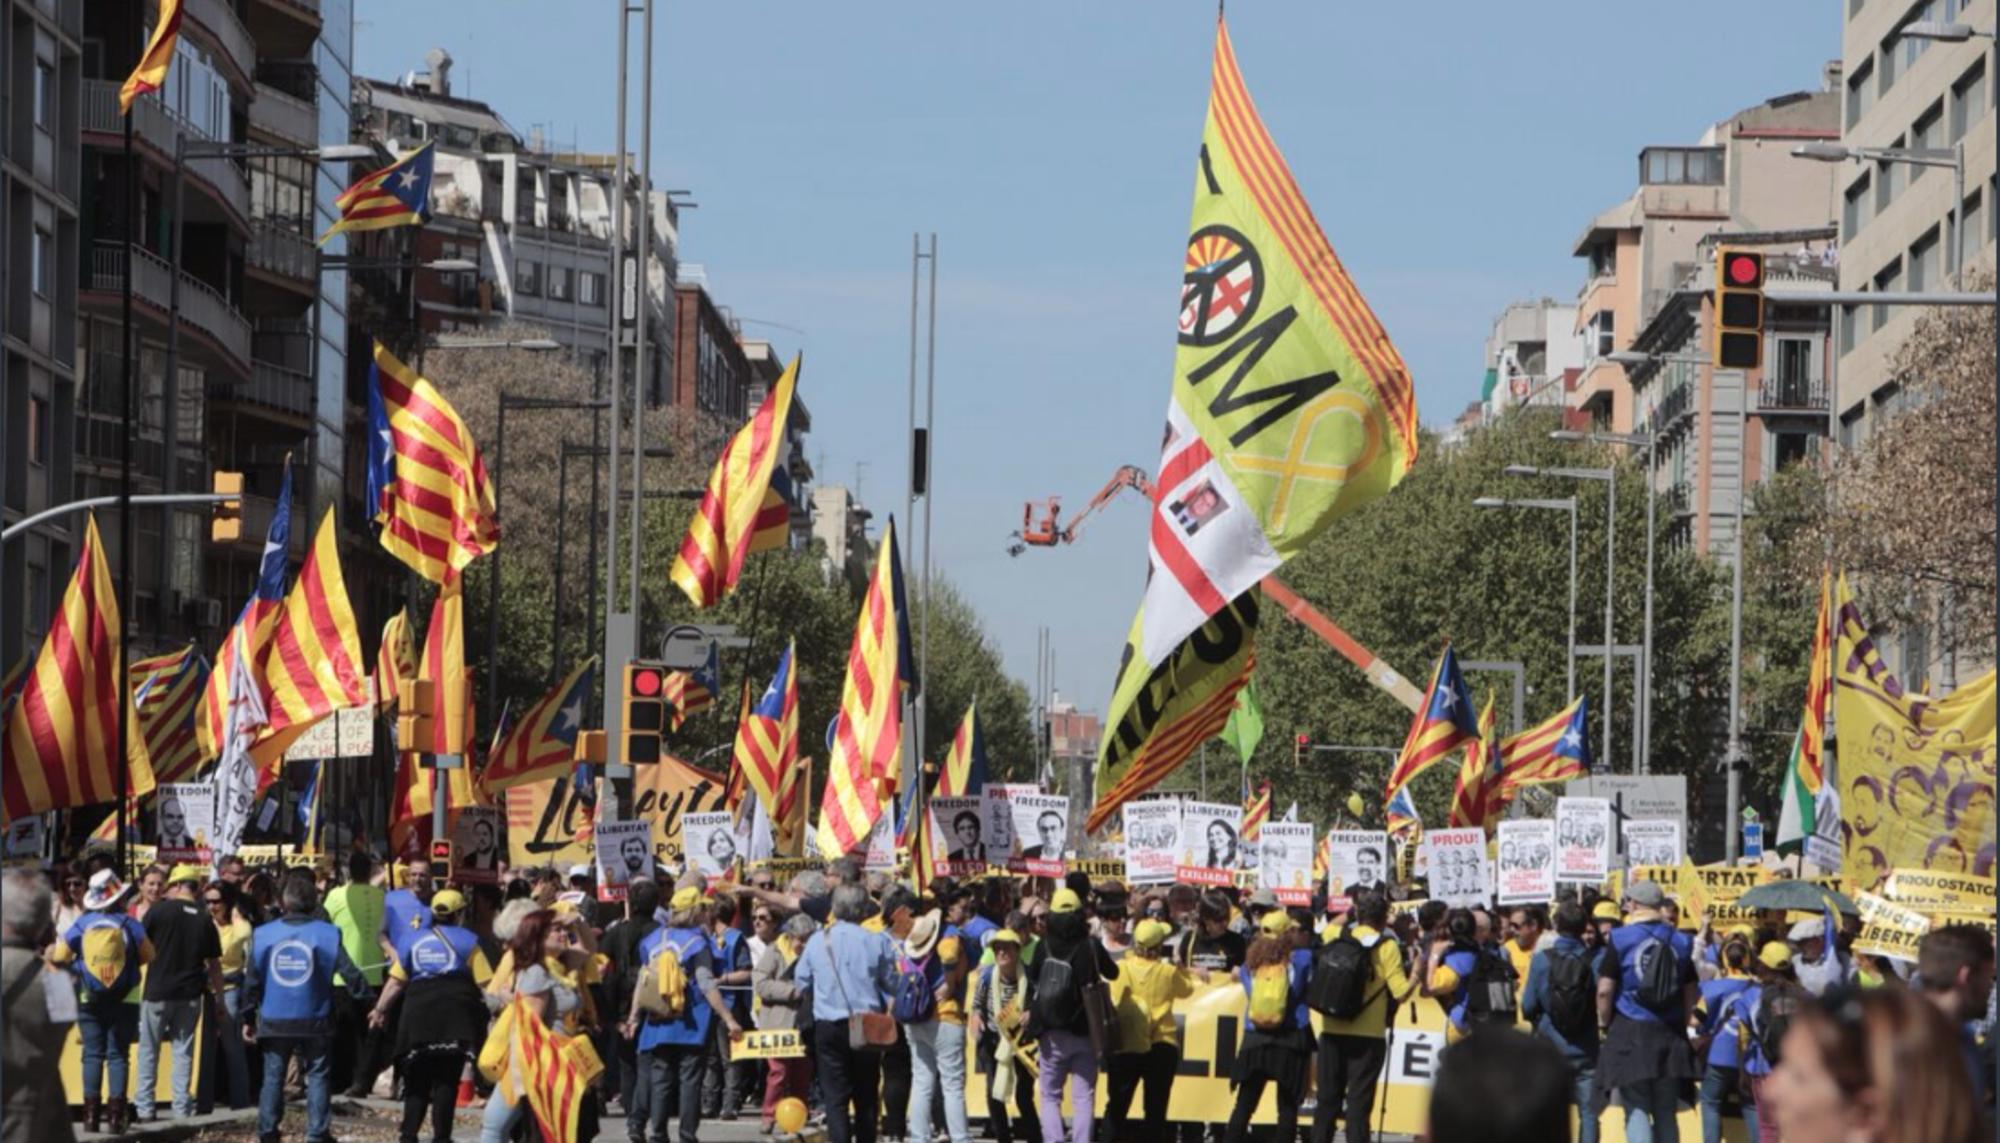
x=288, y=1006
x=677, y=1049
x=1645, y=989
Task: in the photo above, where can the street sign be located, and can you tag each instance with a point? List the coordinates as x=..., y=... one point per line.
x=1753, y=839
x=685, y=647
x=1634, y=797
x=346, y=733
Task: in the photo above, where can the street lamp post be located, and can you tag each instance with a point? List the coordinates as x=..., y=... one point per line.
x=1610, y=478
x=1952, y=157
x=1566, y=504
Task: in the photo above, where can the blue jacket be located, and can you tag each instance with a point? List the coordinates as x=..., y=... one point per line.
x=1535, y=999
x=1623, y=967
x=1719, y=1000
x=1743, y=1015
x=697, y=958
x=288, y=977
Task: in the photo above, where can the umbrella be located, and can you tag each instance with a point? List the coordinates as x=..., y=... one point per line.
x=1803, y=896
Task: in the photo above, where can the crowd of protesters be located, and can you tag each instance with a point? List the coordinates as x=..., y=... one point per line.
x=383, y=981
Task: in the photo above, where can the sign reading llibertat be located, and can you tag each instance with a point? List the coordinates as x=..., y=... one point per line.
x=1286, y=861
x=1209, y=843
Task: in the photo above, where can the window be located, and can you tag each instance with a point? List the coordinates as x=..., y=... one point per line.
x=1889, y=179
x=1855, y=212
x=560, y=278
x=1852, y=319
x=1928, y=131
x=1968, y=100
x=45, y=94
x=1924, y=261
x=590, y=288
x=527, y=278
x=1600, y=332
x=1681, y=165
x=1790, y=448
x=1974, y=224
x=1890, y=278
x=38, y=431
x=42, y=263
x=1860, y=92
x=1603, y=259
x=1792, y=364
x=1850, y=429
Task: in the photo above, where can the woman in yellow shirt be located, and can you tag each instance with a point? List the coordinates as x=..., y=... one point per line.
x=1149, y=1049
x=234, y=930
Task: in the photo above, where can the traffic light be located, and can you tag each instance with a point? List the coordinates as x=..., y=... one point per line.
x=441, y=854
x=1300, y=747
x=416, y=732
x=225, y=521
x=1739, y=309
x=645, y=719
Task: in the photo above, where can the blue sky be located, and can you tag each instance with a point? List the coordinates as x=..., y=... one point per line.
x=1452, y=151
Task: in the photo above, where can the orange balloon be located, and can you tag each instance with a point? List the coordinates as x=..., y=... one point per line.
x=790, y=1114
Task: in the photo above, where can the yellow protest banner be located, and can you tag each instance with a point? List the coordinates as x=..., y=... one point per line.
x=1100, y=869
x=1932, y=892
x=551, y=823
x=1889, y=929
x=768, y=1044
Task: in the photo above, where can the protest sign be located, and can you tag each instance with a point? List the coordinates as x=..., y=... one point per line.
x=963, y=832
x=624, y=855
x=186, y=821
x=1654, y=841
x=1041, y=822
x=1527, y=870
x=1209, y=843
x=1583, y=839
x=1284, y=864
x=1458, y=874
x=710, y=839
x=1355, y=858
x=475, y=845
x=1889, y=929
x=1152, y=832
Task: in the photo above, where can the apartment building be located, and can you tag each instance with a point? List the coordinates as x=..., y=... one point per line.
x=1898, y=227
x=840, y=522
x=1532, y=346
x=1739, y=175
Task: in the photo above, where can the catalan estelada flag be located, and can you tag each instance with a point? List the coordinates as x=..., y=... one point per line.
x=166, y=691
x=964, y=772
x=1555, y=750
x=728, y=524
x=313, y=665
x=250, y=635
x=767, y=739
x=432, y=495
x=1289, y=409
x=867, y=753
x=1444, y=723
x=543, y=743
x=1401, y=815
x=62, y=734
x=395, y=660
x=443, y=664
x=1475, y=798
x=397, y=195
x=151, y=72
x=691, y=692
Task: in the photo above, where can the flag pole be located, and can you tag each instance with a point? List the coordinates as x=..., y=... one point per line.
x=125, y=540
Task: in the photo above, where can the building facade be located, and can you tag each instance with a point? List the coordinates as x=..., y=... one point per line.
x=1532, y=346
x=840, y=523
x=1897, y=224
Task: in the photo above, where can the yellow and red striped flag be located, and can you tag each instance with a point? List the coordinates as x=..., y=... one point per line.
x=1444, y=723
x=767, y=736
x=166, y=691
x=431, y=493
x=1476, y=797
x=554, y=1071
x=397, y=195
x=443, y=664
x=1256, y=811
x=543, y=743
x=62, y=733
x=1805, y=770
x=396, y=660
x=250, y=635
x=867, y=754
x=151, y=72
x=963, y=774
x=410, y=809
x=313, y=665
x=788, y=819
x=734, y=518
x=689, y=693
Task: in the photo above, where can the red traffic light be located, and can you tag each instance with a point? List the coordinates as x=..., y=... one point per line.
x=1305, y=740
x=441, y=852
x=1744, y=270
x=648, y=682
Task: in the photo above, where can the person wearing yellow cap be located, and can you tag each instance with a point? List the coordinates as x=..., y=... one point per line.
x=439, y=972
x=998, y=1027
x=186, y=968
x=1352, y=1050
x=1758, y=1022
x=1149, y=1049
x=1277, y=1028
x=1068, y=961
x=1722, y=1063
x=678, y=1047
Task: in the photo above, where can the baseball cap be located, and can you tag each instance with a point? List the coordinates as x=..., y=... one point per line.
x=1065, y=901
x=1276, y=923
x=686, y=897
x=448, y=901
x=1645, y=894
x=186, y=873
x=1775, y=954
x=1151, y=933
x=1262, y=899
x=1007, y=937
x=579, y=871
x=1606, y=911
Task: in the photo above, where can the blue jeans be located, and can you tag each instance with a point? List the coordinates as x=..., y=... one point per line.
x=171, y=1023
x=1586, y=1103
x=500, y=1117
x=937, y=1058
x=317, y=1064
x=1718, y=1086
x=107, y=1031
x=1650, y=1108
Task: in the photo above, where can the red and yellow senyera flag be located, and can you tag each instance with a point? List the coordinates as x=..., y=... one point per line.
x=313, y=665
x=737, y=515
x=151, y=74
x=396, y=659
x=867, y=754
x=1290, y=409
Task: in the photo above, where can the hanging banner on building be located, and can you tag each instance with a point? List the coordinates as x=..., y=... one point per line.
x=1526, y=873
x=1285, y=861
x=1458, y=872
x=963, y=831
x=1583, y=840
x=1152, y=833
x=186, y=813
x=624, y=855
x=1653, y=842
x=1041, y=822
x=1356, y=858
x=475, y=845
x=1210, y=843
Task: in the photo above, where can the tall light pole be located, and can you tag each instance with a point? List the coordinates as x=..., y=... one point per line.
x=1566, y=504
x=1610, y=478
x=1952, y=157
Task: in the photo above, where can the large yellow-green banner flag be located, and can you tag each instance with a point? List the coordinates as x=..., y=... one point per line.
x=1290, y=408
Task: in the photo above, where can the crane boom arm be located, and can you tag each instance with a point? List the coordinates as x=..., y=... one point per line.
x=1315, y=621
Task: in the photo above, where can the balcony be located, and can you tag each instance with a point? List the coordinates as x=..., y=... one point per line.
x=1678, y=403
x=218, y=17
x=1792, y=395
x=285, y=115
x=157, y=127
x=270, y=387
x=282, y=251
x=201, y=307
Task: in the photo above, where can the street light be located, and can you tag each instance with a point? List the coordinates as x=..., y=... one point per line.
x=531, y=344
x=1951, y=157
x=1630, y=357
x=1566, y=504
x=1610, y=478
x=1944, y=31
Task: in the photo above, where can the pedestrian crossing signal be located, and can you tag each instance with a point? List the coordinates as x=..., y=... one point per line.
x=1739, y=309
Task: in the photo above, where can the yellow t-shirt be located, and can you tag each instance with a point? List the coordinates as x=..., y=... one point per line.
x=1387, y=981
x=235, y=943
x=951, y=954
x=1444, y=982
x=1144, y=996
x=1520, y=958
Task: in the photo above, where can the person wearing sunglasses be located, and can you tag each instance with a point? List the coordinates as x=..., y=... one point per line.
x=234, y=930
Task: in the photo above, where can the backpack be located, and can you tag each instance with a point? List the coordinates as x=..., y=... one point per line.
x=1489, y=990
x=1572, y=1002
x=1341, y=971
x=1657, y=974
x=109, y=963
x=916, y=997
x=663, y=984
x=1058, y=992
x=1271, y=996
x=1776, y=1006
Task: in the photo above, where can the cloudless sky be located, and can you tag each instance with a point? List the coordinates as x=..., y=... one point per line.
x=1453, y=151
